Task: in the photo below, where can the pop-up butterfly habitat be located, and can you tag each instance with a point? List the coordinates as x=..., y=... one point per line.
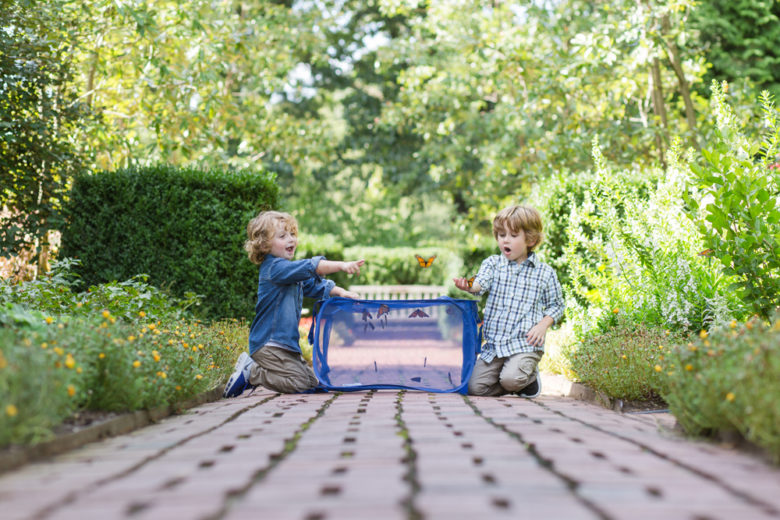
x=428, y=345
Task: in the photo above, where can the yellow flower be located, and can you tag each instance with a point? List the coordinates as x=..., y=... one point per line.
x=131, y=338
x=200, y=346
x=142, y=314
x=615, y=310
x=666, y=333
x=156, y=355
x=733, y=324
x=658, y=368
x=49, y=320
x=78, y=370
x=198, y=376
x=79, y=305
x=3, y=362
x=688, y=367
x=194, y=348
x=692, y=347
x=624, y=356
x=601, y=268
x=59, y=351
x=660, y=347
x=69, y=361
x=162, y=375
x=44, y=345
x=730, y=396
x=106, y=314
x=71, y=390
x=11, y=411
x=136, y=363
x=703, y=334
x=101, y=356
x=178, y=387
x=152, y=326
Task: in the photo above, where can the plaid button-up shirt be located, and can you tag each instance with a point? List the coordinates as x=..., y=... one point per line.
x=520, y=295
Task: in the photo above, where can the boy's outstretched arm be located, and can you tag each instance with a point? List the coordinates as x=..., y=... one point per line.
x=463, y=285
x=332, y=266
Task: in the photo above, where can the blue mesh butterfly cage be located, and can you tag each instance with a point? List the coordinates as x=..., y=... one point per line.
x=428, y=345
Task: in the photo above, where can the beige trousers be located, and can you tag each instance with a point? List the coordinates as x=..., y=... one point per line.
x=504, y=375
x=282, y=370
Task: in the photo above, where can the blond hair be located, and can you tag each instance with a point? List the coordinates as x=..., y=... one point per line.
x=261, y=230
x=517, y=218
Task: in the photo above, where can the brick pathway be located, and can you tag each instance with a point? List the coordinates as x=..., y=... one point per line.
x=396, y=455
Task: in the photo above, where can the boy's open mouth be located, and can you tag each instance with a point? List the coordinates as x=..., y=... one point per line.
x=291, y=249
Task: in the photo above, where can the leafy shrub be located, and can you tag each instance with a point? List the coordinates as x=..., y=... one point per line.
x=624, y=360
x=734, y=203
x=183, y=228
x=729, y=380
x=131, y=299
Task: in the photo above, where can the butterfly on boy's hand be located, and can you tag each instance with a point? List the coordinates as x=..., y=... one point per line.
x=423, y=262
x=470, y=281
x=418, y=314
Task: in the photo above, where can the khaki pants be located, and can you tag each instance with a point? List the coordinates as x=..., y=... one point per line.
x=504, y=375
x=282, y=370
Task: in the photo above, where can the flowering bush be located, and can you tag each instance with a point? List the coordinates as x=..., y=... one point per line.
x=53, y=364
x=633, y=251
x=728, y=379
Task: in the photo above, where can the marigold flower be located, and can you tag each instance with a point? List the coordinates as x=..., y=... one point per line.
x=136, y=363
x=71, y=390
x=624, y=356
x=733, y=324
x=615, y=310
x=152, y=326
x=44, y=345
x=106, y=314
x=658, y=368
x=730, y=396
x=142, y=314
x=101, y=356
x=58, y=351
x=198, y=376
x=703, y=334
x=688, y=367
x=69, y=361
x=11, y=411
x=49, y=320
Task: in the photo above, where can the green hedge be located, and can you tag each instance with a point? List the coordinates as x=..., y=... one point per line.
x=184, y=228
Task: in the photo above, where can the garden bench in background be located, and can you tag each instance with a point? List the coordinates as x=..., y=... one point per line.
x=399, y=292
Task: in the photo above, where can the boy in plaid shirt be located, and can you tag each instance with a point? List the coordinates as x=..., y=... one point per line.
x=524, y=300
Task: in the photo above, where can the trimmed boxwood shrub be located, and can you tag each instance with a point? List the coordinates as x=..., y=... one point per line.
x=183, y=227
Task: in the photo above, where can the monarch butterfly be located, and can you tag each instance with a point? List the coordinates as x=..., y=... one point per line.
x=470, y=281
x=423, y=262
x=418, y=314
x=706, y=252
x=383, y=309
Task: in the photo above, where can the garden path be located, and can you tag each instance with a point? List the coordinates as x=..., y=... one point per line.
x=396, y=455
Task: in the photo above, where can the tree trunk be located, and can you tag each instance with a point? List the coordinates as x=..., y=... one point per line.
x=659, y=109
x=685, y=90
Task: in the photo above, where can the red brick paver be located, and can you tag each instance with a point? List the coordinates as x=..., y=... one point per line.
x=396, y=455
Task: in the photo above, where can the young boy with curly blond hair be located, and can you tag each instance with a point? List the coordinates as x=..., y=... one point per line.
x=524, y=300
x=274, y=359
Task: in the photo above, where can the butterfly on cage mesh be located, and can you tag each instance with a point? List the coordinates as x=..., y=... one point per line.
x=423, y=262
x=383, y=309
x=418, y=313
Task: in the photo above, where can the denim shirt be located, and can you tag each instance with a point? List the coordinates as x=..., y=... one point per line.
x=281, y=287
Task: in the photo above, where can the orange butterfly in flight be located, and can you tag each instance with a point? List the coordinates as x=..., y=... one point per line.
x=423, y=262
x=418, y=314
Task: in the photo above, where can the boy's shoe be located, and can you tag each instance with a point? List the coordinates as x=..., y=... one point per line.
x=532, y=390
x=239, y=380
